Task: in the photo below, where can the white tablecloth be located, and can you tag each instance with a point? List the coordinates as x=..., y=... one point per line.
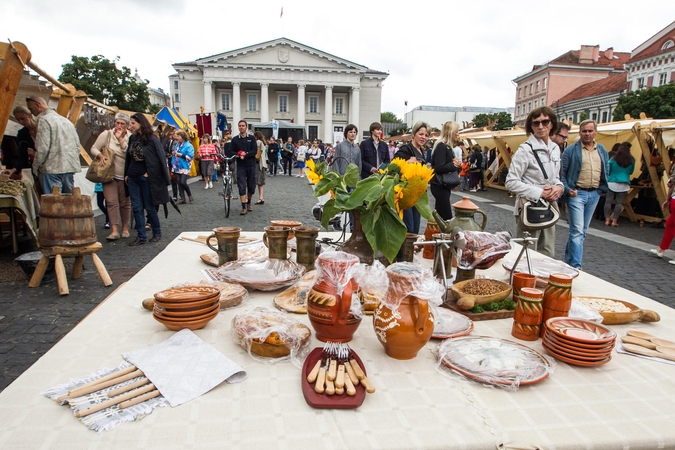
x=626, y=403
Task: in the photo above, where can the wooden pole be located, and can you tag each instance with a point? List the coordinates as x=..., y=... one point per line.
x=641, y=135
x=14, y=56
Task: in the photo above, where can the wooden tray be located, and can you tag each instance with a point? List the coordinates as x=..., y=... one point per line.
x=325, y=401
x=451, y=303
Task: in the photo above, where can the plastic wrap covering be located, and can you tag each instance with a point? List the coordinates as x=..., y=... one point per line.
x=419, y=283
x=294, y=299
x=493, y=361
x=270, y=336
x=338, y=271
x=373, y=282
x=262, y=273
x=479, y=249
x=579, y=310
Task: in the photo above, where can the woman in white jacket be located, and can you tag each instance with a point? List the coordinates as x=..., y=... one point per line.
x=261, y=168
x=526, y=179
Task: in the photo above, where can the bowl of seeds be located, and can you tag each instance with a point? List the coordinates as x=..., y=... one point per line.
x=479, y=291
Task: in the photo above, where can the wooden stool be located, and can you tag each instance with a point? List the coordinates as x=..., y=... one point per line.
x=78, y=252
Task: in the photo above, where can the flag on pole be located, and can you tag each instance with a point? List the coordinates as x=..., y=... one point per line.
x=406, y=103
x=282, y=12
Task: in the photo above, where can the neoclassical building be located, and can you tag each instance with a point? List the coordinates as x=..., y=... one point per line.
x=281, y=80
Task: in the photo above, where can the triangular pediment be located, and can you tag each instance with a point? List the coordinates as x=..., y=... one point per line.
x=281, y=52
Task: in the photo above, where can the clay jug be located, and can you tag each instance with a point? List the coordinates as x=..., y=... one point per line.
x=330, y=300
x=431, y=229
x=465, y=210
x=404, y=331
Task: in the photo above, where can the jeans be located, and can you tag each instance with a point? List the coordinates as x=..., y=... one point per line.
x=465, y=183
x=411, y=219
x=580, y=211
x=183, y=186
x=618, y=203
x=63, y=180
x=141, y=198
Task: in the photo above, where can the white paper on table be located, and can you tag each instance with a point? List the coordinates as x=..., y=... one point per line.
x=185, y=367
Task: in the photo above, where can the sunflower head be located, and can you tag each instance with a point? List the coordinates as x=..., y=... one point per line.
x=311, y=172
x=398, y=196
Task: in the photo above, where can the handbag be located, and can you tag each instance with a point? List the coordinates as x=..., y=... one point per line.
x=98, y=173
x=540, y=214
x=449, y=179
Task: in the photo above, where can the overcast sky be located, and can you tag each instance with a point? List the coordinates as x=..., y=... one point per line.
x=442, y=53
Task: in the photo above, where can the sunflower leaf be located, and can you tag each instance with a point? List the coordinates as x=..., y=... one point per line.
x=422, y=206
x=329, y=211
x=367, y=190
x=352, y=175
x=385, y=231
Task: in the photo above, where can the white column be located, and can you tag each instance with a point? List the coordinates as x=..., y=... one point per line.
x=328, y=114
x=301, y=104
x=236, y=106
x=354, y=107
x=208, y=96
x=264, y=103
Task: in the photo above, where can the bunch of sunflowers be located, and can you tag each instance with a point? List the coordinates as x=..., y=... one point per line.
x=380, y=199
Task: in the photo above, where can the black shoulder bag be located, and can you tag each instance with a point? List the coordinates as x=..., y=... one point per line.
x=539, y=214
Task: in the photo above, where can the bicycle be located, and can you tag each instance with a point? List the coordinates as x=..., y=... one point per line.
x=226, y=176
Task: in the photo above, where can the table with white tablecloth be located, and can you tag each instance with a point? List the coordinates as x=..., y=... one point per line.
x=626, y=403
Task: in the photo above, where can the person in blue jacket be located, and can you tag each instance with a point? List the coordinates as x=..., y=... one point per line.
x=373, y=151
x=584, y=175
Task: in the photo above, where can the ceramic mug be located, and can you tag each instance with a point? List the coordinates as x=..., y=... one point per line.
x=522, y=280
x=228, y=241
x=275, y=239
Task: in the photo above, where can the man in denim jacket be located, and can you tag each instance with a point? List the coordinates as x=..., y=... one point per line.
x=584, y=174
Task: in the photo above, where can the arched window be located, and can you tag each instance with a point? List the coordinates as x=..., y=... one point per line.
x=668, y=44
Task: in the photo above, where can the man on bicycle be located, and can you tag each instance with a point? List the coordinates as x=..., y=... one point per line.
x=244, y=146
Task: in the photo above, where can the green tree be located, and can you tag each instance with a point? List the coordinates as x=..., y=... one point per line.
x=655, y=102
x=582, y=116
x=504, y=121
x=101, y=79
x=389, y=117
x=403, y=129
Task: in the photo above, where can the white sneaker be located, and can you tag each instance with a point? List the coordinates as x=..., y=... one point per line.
x=659, y=253
x=210, y=184
x=206, y=186
x=672, y=261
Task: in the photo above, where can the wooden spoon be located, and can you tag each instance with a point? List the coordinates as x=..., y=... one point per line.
x=646, y=352
x=649, y=337
x=637, y=341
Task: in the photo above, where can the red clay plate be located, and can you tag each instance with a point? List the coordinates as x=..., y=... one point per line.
x=576, y=362
x=573, y=354
x=324, y=401
x=578, y=330
x=450, y=324
x=575, y=346
x=475, y=352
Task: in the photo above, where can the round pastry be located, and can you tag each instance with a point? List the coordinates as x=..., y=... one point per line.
x=231, y=294
x=268, y=333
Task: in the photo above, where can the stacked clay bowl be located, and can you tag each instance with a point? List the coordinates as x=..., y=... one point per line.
x=578, y=342
x=190, y=307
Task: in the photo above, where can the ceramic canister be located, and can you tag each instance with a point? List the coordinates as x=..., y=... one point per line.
x=521, y=280
x=527, y=317
x=557, y=296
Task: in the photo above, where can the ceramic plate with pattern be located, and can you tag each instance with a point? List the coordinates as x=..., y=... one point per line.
x=494, y=361
x=579, y=330
x=449, y=324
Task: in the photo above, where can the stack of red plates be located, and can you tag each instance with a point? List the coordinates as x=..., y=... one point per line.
x=189, y=307
x=578, y=342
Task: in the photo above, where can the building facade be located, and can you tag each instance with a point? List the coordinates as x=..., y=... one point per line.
x=436, y=116
x=549, y=82
x=597, y=100
x=281, y=80
x=652, y=63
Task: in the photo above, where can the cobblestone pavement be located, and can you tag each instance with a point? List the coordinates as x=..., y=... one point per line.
x=33, y=320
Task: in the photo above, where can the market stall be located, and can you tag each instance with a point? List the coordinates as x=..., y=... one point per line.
x=625, y=403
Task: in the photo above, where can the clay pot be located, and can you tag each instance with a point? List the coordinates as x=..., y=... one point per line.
x=431, y=229
x=406, y=330
x=228, y=241
x=557, y=297
x=330, y=299
x=407, y=250
x=306, y=246
x=528, y=315
x=275, y=239
x=522, y=280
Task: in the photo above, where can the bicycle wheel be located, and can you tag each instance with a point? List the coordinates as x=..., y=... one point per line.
x=227, y=196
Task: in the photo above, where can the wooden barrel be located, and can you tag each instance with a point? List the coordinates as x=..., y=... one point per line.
x=66, y=219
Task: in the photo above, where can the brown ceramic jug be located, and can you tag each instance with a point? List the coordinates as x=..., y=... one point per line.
x=406, y=330
x=330, y=299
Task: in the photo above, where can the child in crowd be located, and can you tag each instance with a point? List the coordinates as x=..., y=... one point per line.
x=464, y=175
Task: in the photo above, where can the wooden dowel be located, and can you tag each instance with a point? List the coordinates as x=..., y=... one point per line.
x=143, y=381
x=117, y=374
x=97, y=387
x=140, y=399
x=115, y=401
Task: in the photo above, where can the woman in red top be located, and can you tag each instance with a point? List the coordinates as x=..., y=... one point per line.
x=206, y=152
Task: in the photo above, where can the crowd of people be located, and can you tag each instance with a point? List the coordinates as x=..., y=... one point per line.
x=543, y=168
